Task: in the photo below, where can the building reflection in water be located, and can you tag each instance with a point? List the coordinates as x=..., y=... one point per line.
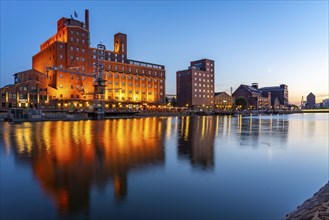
x=260, y=130
x=196, y=140
x=68, y=158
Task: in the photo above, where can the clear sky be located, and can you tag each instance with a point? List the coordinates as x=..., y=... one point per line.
x=269, y=42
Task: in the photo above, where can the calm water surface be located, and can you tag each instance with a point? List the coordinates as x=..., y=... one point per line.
x=258, y=167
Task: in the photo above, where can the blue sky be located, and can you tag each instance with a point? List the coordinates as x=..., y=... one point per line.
x=269, y=42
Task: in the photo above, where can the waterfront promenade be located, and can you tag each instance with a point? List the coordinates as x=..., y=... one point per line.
x=84, y=115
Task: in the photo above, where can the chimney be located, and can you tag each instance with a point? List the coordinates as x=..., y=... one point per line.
x=87, y=19
x=255, y=85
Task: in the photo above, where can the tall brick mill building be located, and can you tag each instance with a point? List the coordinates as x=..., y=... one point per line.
x=195, y=86
x=63, y=74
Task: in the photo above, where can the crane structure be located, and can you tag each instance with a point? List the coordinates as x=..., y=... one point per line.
x=99, y=83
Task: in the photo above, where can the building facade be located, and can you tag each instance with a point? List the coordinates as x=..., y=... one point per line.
x=279, y=93
x=310, y=100
x=250, y=97
x=195, y=86
x=223, y=101
x=63, y=73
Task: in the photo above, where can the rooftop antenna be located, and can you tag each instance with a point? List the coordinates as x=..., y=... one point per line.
x=75, y=14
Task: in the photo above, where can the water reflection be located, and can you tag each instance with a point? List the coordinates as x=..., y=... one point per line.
x=67, y=158
x=101, y=168
x=260, y=130
x=196, y=140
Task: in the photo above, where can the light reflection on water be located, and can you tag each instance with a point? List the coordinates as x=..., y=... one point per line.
x=182, y=167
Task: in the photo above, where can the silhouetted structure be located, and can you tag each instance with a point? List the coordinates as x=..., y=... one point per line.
x=279, y=93
x=310, y=100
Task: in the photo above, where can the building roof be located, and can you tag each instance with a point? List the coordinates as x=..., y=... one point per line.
x=219, y=93
x=251, y=89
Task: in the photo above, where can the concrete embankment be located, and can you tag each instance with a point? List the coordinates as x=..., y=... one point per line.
x=314, y=208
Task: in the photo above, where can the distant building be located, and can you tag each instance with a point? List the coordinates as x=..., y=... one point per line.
x=325, y=103
x=62, y=74
x=250, y=97
x=195, y=86
x=171, y=99
x=310, y=101
x=279, y=95
x=223, y=100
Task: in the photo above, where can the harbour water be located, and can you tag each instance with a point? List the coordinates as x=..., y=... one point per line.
x=199, y=167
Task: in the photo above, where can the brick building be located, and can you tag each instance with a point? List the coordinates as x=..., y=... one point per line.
x=278, y=92
x=250, y=97
x=223, y=101
x=62, y=74
x=195, y=86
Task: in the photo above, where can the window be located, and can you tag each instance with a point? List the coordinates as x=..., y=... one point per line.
x=72, y=87
x=71, y=39
x=83, y=50
x=60, y=56
x=78, y=49
x=60, y=86
x=60, y=75
x=61, y=46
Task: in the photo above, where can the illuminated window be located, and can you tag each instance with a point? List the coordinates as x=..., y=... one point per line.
x=60, y=56
x=60, y=86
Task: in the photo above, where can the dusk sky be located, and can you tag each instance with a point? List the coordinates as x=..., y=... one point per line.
x=268, y=42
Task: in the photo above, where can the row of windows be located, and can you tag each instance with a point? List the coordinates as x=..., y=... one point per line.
x=72, y=77
x=136, y=70
x=203, y=85
x=200, y=90
x=77, y=40
x=130, y=77
x=204, y=80
x=78, y=33
x=204, y=75
x=204, y=96
x=136, y=84
x=78, y=49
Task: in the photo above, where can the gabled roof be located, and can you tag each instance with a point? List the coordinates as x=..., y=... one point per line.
x=251, y=89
